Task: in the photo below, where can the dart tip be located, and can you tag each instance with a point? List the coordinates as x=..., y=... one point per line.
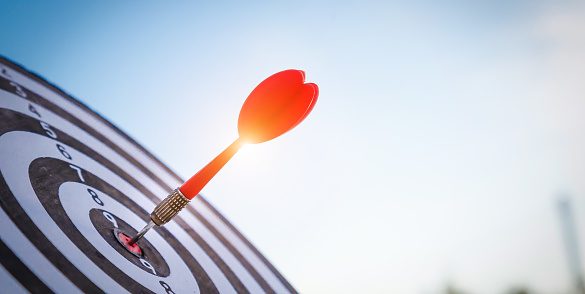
x=141, y=233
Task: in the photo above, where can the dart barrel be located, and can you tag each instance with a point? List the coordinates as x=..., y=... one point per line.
x=169, y=208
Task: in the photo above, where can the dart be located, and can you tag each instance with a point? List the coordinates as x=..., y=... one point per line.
x=274, y=107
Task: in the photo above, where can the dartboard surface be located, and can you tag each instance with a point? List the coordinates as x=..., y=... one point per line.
x=69, y=179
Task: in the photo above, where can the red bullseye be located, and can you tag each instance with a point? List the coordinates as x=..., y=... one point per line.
x=124, y=240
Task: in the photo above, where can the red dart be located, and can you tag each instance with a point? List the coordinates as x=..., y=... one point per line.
x=275, y=106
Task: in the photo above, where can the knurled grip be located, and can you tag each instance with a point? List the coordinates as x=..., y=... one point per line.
x=169, y=208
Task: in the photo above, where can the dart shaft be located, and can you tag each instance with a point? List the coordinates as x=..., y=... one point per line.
x=195, y=184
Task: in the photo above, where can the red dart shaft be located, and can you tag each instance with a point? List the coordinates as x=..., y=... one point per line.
x=195, y=184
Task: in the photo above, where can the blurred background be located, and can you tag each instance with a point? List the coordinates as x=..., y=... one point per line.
x=446, y=153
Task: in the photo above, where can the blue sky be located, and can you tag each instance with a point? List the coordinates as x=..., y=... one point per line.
x=443, y=135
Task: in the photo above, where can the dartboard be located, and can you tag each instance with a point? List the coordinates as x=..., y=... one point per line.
x=69, y=180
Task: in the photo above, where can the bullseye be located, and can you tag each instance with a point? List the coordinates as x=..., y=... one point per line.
x=124, y=239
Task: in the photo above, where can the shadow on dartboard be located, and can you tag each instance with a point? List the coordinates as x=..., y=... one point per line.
x=68, y=185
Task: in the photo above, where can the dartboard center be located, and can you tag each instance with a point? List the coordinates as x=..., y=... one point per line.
x=125, y=242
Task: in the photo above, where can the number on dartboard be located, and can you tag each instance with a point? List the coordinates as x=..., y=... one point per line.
x=33, y=110
x=166, y=287
x=95, y=197
x=147, y=265
x=48, y=130
x=4, y=72
x=78, y=170
x=111, y=218
x=19, y=89
x=63, y=152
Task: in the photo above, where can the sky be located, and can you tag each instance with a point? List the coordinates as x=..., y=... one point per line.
x=444, y=135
